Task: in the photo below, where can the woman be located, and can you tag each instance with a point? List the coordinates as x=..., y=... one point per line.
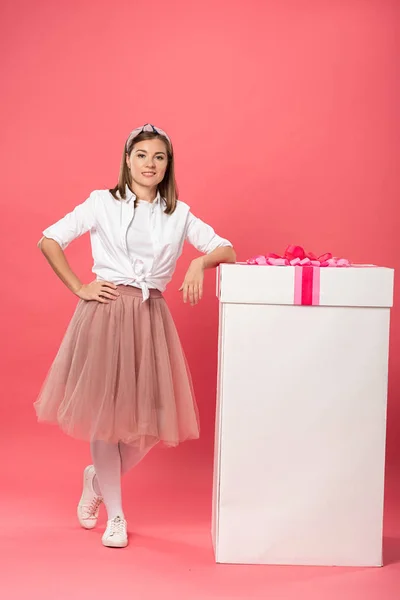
x=120, y=378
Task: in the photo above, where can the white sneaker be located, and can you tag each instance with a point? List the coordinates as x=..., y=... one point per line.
x=89, y=504
x=116, y=535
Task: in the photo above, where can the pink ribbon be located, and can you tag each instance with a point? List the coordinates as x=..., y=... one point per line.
x=296, y=256
x=307, y=273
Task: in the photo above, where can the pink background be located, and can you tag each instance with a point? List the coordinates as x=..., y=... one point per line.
x=285, y=123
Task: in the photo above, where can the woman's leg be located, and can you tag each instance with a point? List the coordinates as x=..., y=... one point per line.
x=107, y=464
x=131, y=456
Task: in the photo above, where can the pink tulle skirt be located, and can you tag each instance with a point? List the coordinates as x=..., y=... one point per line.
x=121, y=375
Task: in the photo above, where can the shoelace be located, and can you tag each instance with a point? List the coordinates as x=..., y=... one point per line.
x=117, y=526
x=91, y=509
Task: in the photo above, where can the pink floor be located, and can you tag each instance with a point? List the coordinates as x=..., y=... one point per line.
x=45, y=555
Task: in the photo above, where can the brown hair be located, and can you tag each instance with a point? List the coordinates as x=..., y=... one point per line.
x=167, y=187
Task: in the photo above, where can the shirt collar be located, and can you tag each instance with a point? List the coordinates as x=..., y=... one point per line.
x=129, y=195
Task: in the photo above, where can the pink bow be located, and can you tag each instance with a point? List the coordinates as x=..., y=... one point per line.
x=296, y=256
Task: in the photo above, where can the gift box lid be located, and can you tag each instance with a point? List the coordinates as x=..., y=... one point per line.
x=357, y=285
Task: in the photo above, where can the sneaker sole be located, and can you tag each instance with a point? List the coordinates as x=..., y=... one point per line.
x=115, y=544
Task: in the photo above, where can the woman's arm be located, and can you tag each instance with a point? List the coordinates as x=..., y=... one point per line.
x=216, y=250
x=192, y=286
x=224, y=254
x=57, y=260
x=59, y=235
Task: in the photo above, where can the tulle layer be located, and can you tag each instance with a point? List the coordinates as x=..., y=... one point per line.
x=121, y=375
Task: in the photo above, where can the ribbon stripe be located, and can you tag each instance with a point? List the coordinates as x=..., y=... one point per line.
x=316, y=286
x=307, y=286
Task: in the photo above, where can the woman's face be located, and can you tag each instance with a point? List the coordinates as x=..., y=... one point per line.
x=148, y=162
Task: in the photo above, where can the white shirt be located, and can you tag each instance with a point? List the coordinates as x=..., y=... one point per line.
x=138, y=239
x=108, y=221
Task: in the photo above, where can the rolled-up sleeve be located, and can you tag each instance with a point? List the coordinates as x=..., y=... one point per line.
x=74, y=224
x=203, y=236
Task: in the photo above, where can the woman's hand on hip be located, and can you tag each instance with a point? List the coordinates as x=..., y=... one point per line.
x=98, y=290
x=192, y=285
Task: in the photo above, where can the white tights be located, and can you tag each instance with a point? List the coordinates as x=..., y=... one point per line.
x=110, y=462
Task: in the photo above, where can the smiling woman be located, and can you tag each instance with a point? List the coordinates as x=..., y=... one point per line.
x=120, y=378
x=148, y=162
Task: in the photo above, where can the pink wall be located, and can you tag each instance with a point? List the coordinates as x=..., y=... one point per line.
x=285, y=122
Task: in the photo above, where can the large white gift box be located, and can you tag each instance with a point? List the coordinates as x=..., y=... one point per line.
x=301, y=414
